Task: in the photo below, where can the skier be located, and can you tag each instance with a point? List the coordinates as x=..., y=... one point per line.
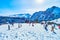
x=29, y=23
x=53, y=26
x=33, y=24
x=59, y=26
x=8, y=26
x=46, y=25
x=19, y=25
x=12, y=23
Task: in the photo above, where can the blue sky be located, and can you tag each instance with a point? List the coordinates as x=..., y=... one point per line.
x=10, y=7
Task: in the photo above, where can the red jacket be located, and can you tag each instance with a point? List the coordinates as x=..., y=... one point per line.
x=59, y=27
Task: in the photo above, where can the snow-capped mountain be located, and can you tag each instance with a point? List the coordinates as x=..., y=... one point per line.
x=36, y=15
x=50, y=14
x=53, y=10
x=21, y=15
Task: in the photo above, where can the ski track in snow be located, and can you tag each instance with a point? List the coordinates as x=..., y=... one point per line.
x=27, y=32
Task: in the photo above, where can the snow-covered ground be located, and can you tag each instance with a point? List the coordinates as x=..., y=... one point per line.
x=27, y=32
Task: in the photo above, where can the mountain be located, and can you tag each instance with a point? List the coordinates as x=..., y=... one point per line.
x=27, y=16
x=56, y=12
x=53, y=13
x=36, y=15
x=50, y=14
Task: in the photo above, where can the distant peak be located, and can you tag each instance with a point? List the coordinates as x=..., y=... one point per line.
x=54, y=7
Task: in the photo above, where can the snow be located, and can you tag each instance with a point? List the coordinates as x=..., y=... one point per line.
x=56, y=21
x=27, y=32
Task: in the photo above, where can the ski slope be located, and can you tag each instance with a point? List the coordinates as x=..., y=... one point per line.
x=28, y=32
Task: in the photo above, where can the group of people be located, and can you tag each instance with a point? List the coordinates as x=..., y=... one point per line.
x=53, y=26
x=45, y=26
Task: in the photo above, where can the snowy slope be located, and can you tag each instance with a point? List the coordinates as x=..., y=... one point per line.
x=56, y=21
x=27, y=32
